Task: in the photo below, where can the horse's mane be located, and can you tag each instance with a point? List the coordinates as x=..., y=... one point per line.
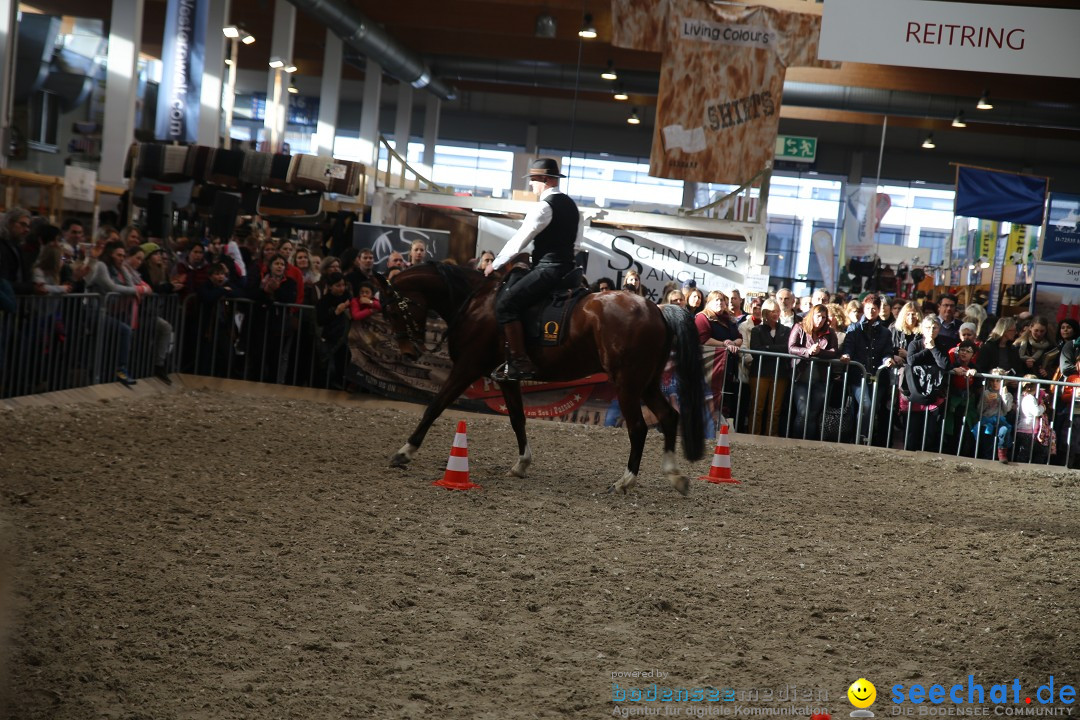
x=461, y=282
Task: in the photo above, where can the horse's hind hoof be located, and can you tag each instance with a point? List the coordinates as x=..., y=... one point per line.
x=399, y=460
x=681, y=483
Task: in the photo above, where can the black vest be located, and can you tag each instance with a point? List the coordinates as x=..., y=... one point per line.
x=555, y=243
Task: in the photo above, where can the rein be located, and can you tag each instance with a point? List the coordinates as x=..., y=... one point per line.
x=414, y=330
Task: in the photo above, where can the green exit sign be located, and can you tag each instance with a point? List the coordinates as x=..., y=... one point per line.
x=799, y=149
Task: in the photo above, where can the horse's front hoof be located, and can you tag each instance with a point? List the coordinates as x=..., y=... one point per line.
x=399, y=460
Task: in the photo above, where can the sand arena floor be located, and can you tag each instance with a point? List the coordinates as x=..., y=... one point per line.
x=200, y=554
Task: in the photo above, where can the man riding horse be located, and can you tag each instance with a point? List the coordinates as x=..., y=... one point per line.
x=551, y=226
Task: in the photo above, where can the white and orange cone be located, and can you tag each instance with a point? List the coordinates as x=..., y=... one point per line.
x=720, y=470
x=456, y=476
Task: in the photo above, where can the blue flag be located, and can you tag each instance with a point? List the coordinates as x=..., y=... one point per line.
x=182, y=58
x=1002, y=196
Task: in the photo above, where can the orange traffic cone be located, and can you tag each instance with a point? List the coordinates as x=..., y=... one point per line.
x=720, y=470
x=456, y=476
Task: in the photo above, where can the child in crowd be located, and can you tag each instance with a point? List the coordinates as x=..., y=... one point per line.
x=1030, y=419
x=365, y=303
x=996, y=402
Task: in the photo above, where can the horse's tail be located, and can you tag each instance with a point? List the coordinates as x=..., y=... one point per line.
x=688, y=368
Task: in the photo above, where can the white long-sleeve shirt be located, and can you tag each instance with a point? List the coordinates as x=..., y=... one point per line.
x=538, y=218
x=1030, y=411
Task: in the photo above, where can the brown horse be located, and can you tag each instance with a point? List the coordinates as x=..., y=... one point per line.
x=623, y=335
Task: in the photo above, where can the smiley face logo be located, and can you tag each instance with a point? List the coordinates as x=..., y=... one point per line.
x=862, y=693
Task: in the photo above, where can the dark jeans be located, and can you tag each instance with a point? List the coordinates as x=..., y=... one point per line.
x=537, y=284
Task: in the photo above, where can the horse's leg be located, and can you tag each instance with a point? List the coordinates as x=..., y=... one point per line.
x=515, y=407
x=459, y=379
x=669, y=424
x=630, y=403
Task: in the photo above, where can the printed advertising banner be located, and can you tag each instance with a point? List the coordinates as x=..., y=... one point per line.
x=385, y=239
x=957, y=36
x=721, y=81
x=661, y=258
x=1062, y=241
x=182, y=57
x=379, y=368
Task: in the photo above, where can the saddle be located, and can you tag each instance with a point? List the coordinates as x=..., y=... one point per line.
x=548, y=322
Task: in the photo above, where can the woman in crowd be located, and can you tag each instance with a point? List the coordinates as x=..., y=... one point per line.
x=838, y=321
x=632, y=283
x=271, y=332
x=906, y=328
x=885, y=308
x=47, y=270
x=769, y=375
x=163, y=330
x=975, y=313
x=674, y=297
x=602, y=284
x=925, y=387
x=327, y=267
x=999, y=350
x=310, y=276
x=110, y=277
x=332, y=313
x=131, y=236
x=193, y=268
x=814, y=342
x=695, y=300
x=1036, y=350
x=752, y=310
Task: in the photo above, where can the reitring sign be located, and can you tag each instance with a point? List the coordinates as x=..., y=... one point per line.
x=954, y=36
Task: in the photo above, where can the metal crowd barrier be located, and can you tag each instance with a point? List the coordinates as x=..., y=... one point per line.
x=243, y=339
x=814, y=401
x=830, y=407
x=59, y=342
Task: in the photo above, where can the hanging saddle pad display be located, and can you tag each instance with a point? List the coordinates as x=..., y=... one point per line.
x=291, y=206
x=279, y=171
x=227, y=167
x=310, y=172
x=256, y=168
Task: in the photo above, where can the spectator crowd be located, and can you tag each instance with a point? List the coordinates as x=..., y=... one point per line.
x=909, y=372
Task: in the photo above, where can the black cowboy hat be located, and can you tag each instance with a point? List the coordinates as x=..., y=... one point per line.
x=546, y=167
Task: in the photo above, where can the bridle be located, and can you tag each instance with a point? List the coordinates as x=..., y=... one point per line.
x=414, y=331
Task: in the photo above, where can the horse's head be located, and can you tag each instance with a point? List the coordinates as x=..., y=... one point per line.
x=407, y=313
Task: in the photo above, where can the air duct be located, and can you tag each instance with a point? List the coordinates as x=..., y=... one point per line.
x=898, y=103
x=361, y=34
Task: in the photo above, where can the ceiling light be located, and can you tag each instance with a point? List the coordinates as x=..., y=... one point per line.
x=620, y=94
x=545, y=26
x=247, y=39
x=228, y=61
x=231, y=31
x=958, y=121
x=633, y=119
x=292, y=89
x=276, y=62
x=289, y=68
x=610, y=73
x=984, y=102
x=588, y=30
x=928, y=143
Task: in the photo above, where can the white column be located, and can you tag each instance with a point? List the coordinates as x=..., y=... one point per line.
x=121, y=85
x=432, y=109
x=369, y=117
x=689, y=194
x=277, y=100
x=330, y=94
x=213, y=69
x=8, y=42
x=403, y=119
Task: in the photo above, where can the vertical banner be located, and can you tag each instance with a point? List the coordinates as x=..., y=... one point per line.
x=996, y=277
x=858, y=240
x=1062, y=240
x=822, y=242
x=1019, y=234
x=182, y=59
x=986, y=241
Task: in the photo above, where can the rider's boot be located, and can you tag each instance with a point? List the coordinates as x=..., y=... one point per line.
x=518, y=364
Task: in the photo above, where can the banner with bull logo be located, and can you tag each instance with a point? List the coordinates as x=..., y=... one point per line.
x=721, y=82
x=182, y=58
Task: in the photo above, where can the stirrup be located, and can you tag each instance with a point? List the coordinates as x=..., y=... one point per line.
x=507, y=372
